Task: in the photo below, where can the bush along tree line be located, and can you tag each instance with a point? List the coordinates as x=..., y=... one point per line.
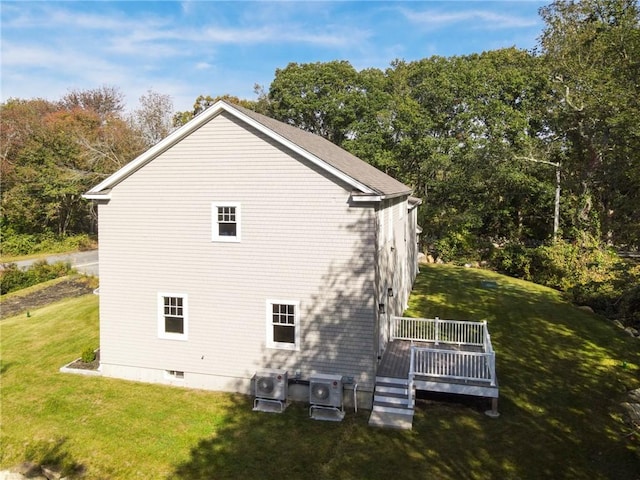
x=525, y=159
x=14, y=278
x=53, y=152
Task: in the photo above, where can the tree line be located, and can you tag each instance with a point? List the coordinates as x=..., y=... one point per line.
x=487, y=140
x=53, y=151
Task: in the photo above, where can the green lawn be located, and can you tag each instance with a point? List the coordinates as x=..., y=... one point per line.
x=562, y=374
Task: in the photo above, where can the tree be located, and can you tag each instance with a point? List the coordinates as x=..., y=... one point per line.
x=458, y=123
x=153, y=120
x=593, y=52
x=54, y=152
x=19, y=120
x=321, y=98
x=106, y=101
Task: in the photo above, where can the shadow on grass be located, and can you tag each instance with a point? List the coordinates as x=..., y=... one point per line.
x=561, y=379
x=291, y=445
x=562, y=372
x=54, y=456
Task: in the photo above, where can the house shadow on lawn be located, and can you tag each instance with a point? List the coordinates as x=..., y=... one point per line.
x=560, y=373
x=291, y=445
x=342, y=341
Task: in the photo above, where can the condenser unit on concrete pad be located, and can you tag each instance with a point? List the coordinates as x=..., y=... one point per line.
x=325, y=397
x=270, y=390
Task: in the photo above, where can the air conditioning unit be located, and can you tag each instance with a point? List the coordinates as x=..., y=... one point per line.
x=271, y=384
x=325, y=390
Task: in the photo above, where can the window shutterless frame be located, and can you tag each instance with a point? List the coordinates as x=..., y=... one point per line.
x=226, y=221
x=173, y=316
x=283, y=324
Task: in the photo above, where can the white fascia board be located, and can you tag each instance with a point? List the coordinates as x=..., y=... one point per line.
x=366, y=198
x=96, y=196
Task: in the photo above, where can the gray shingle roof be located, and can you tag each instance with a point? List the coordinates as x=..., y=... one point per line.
x=333, y=155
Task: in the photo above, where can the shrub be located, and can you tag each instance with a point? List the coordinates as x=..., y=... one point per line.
x=18, y=244
x=514, y=259
x=459, y=247
x=589, y=273
x=88, y=355
x=14, y=244
x=630, y=306
x=14, y=278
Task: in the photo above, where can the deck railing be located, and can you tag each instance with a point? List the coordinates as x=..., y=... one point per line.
x=450, y=364
x=439, y=331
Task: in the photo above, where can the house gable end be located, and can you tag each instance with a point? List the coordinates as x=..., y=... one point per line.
x=290, y=140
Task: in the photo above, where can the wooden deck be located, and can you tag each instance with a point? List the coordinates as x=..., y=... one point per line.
x=396, y=361
x=397, y=357
x=432, y=355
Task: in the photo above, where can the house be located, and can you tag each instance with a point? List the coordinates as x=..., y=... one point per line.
x=240, y=243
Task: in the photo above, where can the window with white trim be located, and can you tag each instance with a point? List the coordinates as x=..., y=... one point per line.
x=283, y=324
x=173, y=321
x=226, y=222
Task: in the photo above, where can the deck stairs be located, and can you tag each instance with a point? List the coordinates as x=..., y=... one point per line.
x=392, y=404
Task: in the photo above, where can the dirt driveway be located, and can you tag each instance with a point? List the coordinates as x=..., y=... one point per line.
x=68, y=287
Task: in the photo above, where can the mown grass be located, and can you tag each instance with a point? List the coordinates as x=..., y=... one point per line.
x=562, y=375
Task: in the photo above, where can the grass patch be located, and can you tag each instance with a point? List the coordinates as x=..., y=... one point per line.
x=562, y=374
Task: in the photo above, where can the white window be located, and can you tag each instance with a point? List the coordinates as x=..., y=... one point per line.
x=283, y=324
x=226, y=222
x=173, y=320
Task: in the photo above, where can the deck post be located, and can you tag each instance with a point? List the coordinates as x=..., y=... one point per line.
x=493, y=413
x=412, y=369
x=437, y=332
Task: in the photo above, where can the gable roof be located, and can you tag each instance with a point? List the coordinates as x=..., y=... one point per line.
x=371, y=183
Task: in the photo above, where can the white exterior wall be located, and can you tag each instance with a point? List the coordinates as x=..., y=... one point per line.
x=301, y=241
x=412, y=243
x=397, y=260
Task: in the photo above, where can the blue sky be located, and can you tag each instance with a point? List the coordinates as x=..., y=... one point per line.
x=189, y=48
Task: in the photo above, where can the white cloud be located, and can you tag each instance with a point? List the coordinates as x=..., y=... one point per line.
x=480, y=19
x=196, y=47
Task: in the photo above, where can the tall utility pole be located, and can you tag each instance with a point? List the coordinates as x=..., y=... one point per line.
x=556, y=209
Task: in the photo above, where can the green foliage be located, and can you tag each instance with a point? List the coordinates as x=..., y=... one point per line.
x=592, y=49
x=629, y=305
x=587, y=272
x=514, y=259
x=322, y=98
x=14, y=278
x=88, y=355
x=54, y=152
x=16, y=244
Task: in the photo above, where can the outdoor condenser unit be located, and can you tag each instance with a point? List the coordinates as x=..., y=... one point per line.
x=271, y=384
x=325, y=390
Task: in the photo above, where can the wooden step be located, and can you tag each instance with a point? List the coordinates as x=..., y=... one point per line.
x=391, y=398
x=392, y=406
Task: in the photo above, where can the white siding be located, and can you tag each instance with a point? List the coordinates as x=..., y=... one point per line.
x=397, y=260
x=300, y=240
